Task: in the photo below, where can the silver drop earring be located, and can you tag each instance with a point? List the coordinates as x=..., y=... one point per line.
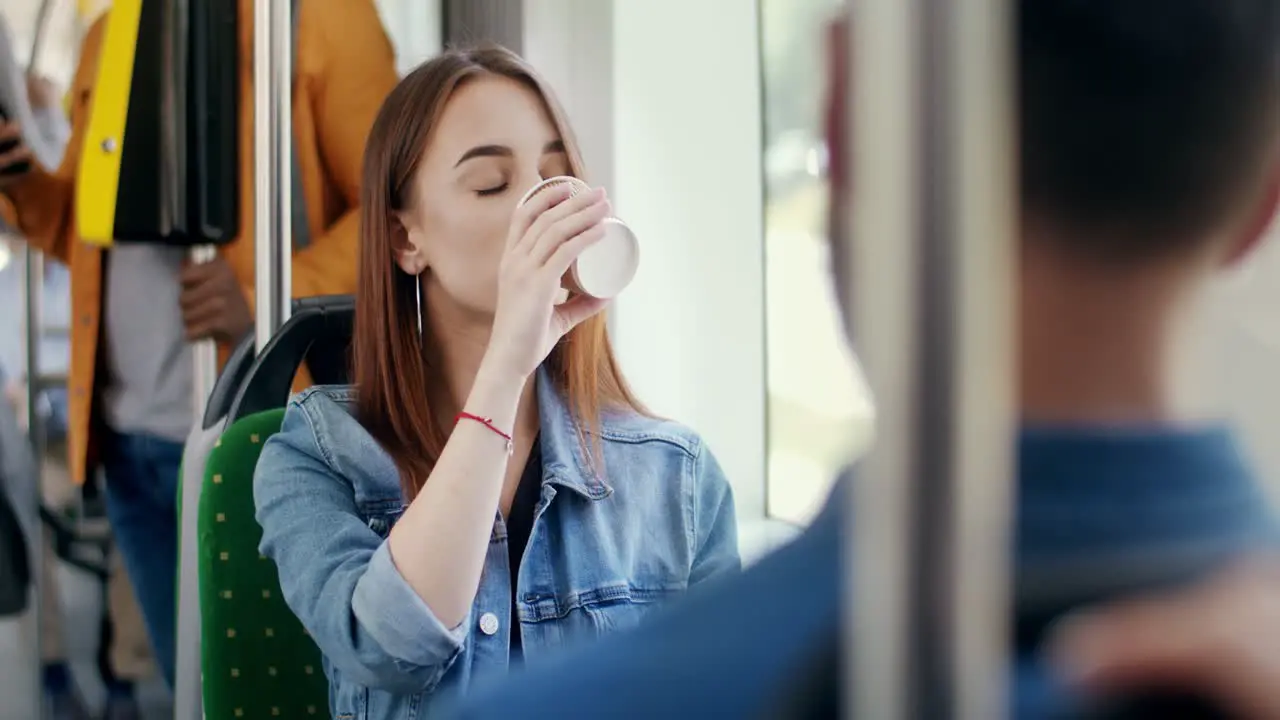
x=417, y=284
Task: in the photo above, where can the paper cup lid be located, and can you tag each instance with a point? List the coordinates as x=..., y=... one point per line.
x=573, y=182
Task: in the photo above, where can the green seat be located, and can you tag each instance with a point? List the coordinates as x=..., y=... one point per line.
x=257, y=661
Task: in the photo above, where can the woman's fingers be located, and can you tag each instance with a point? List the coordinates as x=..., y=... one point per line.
x=566, y=230
x=568, y=251
x=554, y=216
x=527, y=214
x=577, y=309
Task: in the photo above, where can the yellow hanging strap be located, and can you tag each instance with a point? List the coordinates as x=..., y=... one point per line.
x=98, y=179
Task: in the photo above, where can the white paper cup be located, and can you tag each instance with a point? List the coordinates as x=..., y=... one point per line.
x=607, y=267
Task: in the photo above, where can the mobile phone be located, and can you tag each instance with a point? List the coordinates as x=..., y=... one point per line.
x=6, y=146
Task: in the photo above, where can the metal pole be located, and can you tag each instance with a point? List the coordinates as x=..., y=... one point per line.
x=272, y=235
x=33, y=289
x=187, y=693
x=188, y=699
x=37, y=39
x=882, y=115
x=204, y=352
x=984, y=475
x=272, y=156
x=931, y=295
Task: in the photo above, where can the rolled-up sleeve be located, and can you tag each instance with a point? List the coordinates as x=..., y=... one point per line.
x=336, y=573
x=398, y=619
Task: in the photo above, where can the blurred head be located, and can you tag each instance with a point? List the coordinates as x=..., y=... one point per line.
x=1148, y=131
x=454, y=147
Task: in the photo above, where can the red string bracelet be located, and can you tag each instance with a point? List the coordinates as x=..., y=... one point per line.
x=487, y=422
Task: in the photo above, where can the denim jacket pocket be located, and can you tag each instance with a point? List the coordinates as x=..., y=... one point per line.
x=594, y=613
x=619, y=608
x=382, y=516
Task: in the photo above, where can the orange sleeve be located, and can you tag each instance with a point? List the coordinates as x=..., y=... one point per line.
x=358, y=73
x=41, y=205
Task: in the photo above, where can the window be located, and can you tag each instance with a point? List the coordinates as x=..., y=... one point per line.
x=819, y=413
x=415, y=28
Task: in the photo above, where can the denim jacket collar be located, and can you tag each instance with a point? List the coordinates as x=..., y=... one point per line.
x=563, y=461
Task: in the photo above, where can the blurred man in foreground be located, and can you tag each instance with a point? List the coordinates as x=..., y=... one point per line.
x=1149, y=160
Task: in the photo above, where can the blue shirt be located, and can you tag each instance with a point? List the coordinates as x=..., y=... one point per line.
x=1137, y=509
x=605, y=550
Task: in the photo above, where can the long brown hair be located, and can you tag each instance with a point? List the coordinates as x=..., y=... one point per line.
x=398, y=381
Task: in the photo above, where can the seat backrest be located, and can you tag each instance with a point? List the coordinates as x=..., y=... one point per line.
x=195, y=455
x=256, y=658
x=234, y=371
x=318, y=333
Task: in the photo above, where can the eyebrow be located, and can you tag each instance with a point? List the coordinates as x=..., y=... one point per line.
x=503, y=151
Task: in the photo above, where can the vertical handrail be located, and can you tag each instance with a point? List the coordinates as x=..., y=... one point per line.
x=984, y=201
x=37, y=37
x=204, y=353
x=272, y=158
x=33, y=290
x=33, y=322
x=930, y=292
x=188, y=664
x=882, y=113
x=272, y=238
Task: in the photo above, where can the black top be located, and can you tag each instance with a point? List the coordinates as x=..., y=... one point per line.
x=519, y=526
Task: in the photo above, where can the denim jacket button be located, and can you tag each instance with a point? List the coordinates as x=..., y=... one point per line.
x=488, y=623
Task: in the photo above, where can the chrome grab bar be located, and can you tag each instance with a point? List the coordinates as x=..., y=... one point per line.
x=273, y=246
x=931, y=296
x=272, y=160
x=33, y=292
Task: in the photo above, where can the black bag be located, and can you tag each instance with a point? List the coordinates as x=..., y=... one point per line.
x=15, y=562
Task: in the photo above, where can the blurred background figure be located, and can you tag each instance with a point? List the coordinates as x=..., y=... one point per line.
x=125, y=657
x=138, y=307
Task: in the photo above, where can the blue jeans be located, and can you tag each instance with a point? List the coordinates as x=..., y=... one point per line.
x=142, y=491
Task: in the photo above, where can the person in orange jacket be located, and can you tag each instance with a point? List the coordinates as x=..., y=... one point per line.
x=136, y=308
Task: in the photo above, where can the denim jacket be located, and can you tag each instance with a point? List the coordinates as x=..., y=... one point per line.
x=604, y=550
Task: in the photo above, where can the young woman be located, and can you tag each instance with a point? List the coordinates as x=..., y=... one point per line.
x=489, y=489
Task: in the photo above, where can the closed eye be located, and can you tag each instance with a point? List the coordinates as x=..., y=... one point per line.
x=492, y=191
